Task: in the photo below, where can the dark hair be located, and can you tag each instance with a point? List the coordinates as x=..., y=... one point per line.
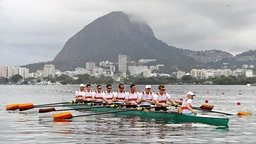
x=108, y=85
x=132, y=85
x=161, y=86
x=120, y=85
x=98, y=85
x=88, y=85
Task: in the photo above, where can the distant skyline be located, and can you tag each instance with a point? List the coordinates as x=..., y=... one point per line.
x=36, y=30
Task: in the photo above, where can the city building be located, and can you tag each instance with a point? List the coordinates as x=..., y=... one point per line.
x=122, y=64
x=49, y=70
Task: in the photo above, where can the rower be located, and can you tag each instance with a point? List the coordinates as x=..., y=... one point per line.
x=108, y=95
x=146, y=97
x=89, y=94
x=80, y=94
x=119, y=96
x=98, y=95
x=186, y=106
x=162, y=97
x=132, y=96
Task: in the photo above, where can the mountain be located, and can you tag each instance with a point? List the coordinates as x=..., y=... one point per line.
x=208, y=55
x=115, y=33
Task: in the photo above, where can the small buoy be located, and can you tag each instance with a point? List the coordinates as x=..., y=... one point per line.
x=206, y=101
x=222, y=92
x=238, y=103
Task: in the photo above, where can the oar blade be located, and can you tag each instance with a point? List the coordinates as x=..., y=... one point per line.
x=206, y=107
x=26, y=106
x=64, y=115
x=45, y=110
x=12, y=106
x=244, y=113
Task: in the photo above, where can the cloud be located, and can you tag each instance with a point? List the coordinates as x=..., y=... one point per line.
x=36, y=30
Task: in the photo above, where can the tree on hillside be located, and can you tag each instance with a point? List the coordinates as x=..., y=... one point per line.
x=16, y=78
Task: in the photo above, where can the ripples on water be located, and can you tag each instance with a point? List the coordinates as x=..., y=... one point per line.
x=33, y=127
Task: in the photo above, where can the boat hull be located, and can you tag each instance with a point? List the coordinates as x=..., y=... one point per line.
x=163, y=115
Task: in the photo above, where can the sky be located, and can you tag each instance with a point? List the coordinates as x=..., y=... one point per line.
x=34, y=31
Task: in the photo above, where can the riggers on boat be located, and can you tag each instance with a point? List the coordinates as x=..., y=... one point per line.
x=164, y=115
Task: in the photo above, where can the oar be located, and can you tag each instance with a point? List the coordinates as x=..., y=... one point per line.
x=45, y=110
x=209, y=108
x=68, y=115
x=27, y=106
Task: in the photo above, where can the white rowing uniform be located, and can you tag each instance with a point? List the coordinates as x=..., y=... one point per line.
x=145, y=96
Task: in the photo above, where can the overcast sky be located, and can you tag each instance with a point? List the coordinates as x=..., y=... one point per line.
x=36, y=30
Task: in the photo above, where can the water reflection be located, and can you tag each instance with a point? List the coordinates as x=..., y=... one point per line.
x=33, y=127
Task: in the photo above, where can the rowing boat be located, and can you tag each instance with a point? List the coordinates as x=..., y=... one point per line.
x=163, y=115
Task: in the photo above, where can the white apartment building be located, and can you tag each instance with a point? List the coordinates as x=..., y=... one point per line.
x=136, y=70
x=9, y=71
x=90, y=66
x=147, y=73
x=49, y=70
x=122, y=64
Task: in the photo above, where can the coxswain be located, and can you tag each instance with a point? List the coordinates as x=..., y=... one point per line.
x=80, y=94
x=108, y=95
x=186, y=106
x=146, y=97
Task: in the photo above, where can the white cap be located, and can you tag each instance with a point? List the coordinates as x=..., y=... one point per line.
x=191, y=93
x=81, y=85
x=148, y=86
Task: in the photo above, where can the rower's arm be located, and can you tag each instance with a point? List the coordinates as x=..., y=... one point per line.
x=158, y=103
x=190, y=108
x=172, y=101
x=105, y=100
x=127, y=101
x=139, y=100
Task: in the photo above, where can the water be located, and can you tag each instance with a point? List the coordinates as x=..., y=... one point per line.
x=33, y=127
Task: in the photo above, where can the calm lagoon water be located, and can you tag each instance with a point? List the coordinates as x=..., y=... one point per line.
x=33, y=127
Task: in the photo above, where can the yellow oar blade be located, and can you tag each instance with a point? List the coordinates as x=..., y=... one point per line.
x=244, y=113
x=64, y=115
x=12, y=107
x=26, y=106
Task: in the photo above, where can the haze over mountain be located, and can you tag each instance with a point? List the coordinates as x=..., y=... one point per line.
x=116, y=33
